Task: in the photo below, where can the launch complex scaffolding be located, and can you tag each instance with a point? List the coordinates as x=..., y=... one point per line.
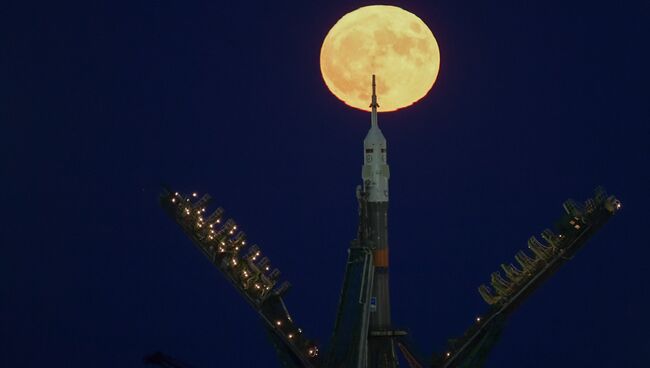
x=363, y=335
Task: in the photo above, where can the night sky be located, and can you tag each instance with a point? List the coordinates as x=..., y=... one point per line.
x=102, y=103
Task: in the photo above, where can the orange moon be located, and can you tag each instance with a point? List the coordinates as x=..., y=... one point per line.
x=387, y=41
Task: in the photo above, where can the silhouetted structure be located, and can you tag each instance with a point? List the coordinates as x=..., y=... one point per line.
x=363, y=334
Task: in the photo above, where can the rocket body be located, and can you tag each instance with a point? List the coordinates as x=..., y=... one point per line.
x=375, y=174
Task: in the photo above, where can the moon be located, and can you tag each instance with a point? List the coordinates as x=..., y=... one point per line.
x=387, y=41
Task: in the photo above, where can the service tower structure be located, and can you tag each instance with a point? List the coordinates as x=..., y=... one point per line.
x=375, y=174
x=364, y=336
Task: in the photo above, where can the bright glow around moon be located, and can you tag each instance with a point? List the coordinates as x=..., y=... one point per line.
x=387, y=41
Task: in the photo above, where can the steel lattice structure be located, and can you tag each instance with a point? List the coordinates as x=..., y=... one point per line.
x=363, y=335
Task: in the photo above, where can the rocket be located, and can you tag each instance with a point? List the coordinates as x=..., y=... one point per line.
x=363, y=334
x=375, y=174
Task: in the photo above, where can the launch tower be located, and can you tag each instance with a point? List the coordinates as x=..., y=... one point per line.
x=364, y=336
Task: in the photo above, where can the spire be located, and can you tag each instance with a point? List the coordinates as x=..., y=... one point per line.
x=374, y=104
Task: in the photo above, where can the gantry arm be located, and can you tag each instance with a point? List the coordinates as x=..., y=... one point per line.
x=505, y=294
x=247, y=270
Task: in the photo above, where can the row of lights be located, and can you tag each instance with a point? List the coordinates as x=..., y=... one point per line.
x=221, y=249
x=312, y=351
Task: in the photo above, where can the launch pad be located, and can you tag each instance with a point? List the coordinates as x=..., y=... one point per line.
x=364, y=336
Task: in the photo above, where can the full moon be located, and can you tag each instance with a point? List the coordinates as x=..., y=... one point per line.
x=387, y=41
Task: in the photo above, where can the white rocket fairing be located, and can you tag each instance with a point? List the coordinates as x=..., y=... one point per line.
x=375, y=172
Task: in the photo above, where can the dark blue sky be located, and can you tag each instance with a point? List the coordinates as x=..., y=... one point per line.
x=102, y=102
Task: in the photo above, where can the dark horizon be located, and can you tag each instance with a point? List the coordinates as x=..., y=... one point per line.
x=105, y=102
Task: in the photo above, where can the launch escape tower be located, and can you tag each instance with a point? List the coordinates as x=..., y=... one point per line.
x=364, y=336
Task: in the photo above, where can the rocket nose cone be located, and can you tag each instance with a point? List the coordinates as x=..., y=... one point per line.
x=374, y=136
